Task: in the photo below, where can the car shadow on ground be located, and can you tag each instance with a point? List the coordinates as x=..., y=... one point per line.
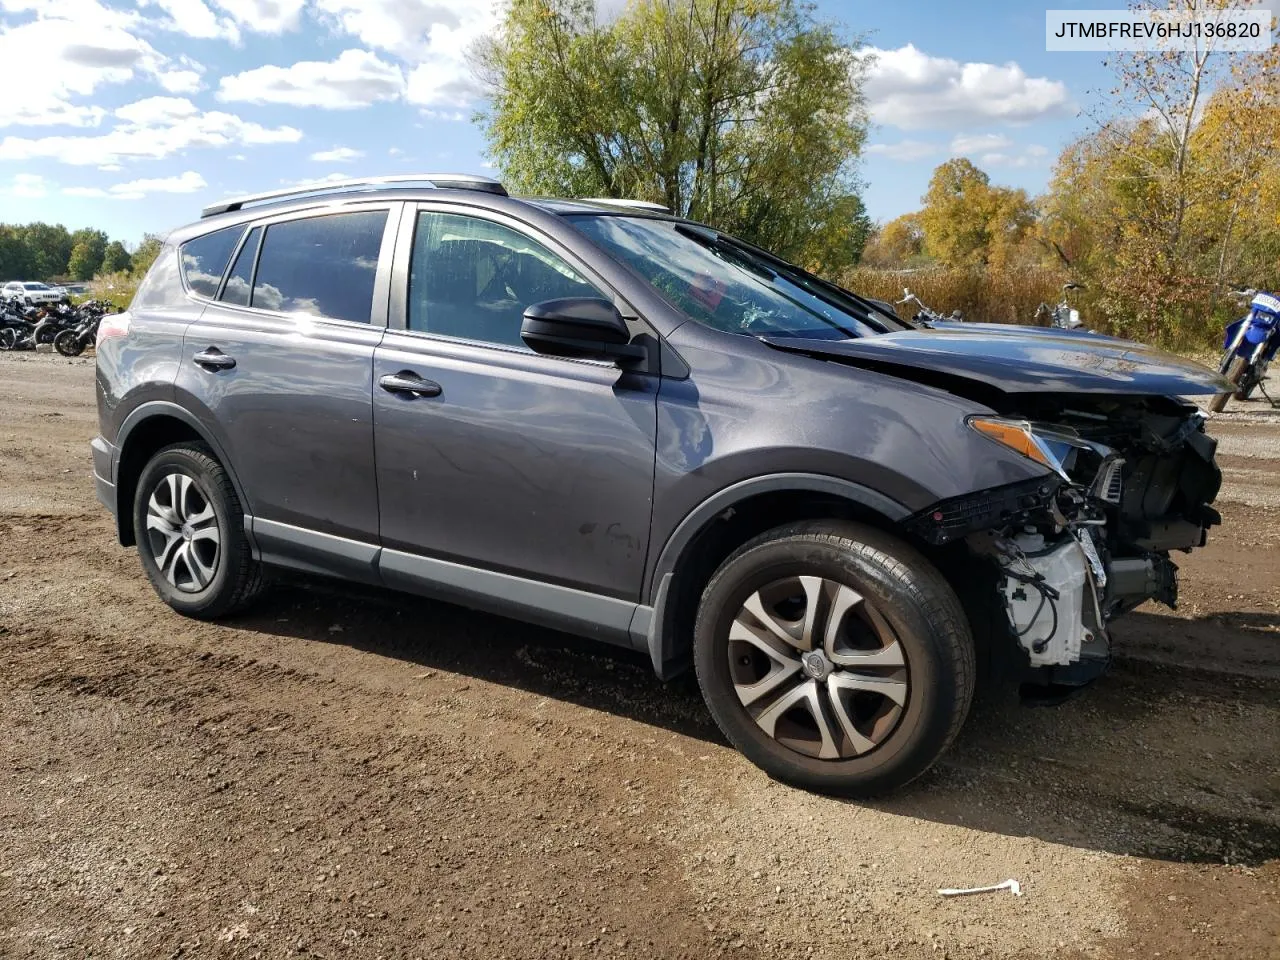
x=1065, y=775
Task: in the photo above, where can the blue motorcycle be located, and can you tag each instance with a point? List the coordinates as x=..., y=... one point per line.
x=1251, y=344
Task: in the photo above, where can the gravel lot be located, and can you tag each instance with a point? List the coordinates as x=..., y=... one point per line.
x=354, y=775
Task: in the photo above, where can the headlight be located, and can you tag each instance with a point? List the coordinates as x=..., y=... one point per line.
x=1052, y=450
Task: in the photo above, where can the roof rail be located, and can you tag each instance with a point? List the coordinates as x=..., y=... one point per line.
x=442, y=181
x=619, y=202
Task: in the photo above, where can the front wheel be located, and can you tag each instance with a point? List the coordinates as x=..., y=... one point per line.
x=835, y=657
x=1235, y=373
x=8, y=337
x=189, y=528
x=68, y=343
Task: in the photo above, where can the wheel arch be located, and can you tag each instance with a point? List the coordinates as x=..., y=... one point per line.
x=151, y=427
x=725, y=521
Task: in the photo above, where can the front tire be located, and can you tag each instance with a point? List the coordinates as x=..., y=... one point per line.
x=68, y=343
x=189, y=527
x=835, y=657
x=1234, y=372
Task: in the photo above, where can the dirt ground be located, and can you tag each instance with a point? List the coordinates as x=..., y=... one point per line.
x=350, y=775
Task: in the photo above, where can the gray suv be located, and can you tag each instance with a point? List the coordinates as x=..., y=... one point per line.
x=596, y=417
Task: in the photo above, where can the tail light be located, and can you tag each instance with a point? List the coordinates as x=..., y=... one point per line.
x=112, y=325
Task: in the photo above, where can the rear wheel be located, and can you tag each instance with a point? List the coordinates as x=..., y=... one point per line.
x=8, y=336
x=68, y=344
x=189, y=527
x=835, y=657
x=1235, y=373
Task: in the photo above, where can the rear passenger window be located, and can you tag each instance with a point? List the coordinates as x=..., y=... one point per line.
x=324, y=266
x=241, y=280
x=204, y=259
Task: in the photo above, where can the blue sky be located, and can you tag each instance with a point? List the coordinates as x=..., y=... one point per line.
x=130, y=114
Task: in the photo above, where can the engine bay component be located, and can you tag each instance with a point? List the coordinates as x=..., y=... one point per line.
x=1047, y=587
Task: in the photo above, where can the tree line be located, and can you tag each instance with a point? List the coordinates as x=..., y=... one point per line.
x=42, y=251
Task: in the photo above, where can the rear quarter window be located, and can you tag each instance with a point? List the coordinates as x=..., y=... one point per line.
x=204, y=259
x=162, y=286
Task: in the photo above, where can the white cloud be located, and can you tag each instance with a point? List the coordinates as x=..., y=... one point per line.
x=188, y=182
x=911, y=90
x=905, y=151
x=72, y=50
x=157, y=111
x=46, y=62
x=337, y=155
x=181, y=81
x=263, y=16
x=151, y=129
x=357, y=78
x=395, y=152
x=433, y=34
x=194, y=19
x=967, y=143
x=997, y=150
x=31, y=186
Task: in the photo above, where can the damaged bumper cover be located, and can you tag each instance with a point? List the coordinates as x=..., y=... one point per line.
x=1090, y=540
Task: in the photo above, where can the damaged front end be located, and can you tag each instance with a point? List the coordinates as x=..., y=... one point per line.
x=1128, y=481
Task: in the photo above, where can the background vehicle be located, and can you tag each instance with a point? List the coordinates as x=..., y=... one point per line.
x=17, y=324
x=629, y=426
x=1250, y=344
x=925, y=315
x=34, y=292
x=73, y=341
x=1063, y=316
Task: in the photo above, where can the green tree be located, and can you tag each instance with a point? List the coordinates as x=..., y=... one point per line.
x=88, y=247
x=898, y=243
x=146, y=253
x=745, y=114
x=968, y=222
x=15, y=257
x=49, y=247
x=116, y=258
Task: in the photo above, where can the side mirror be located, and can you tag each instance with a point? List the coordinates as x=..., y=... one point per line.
x=584, y=328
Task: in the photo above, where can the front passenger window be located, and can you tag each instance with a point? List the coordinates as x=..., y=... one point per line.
x=473, y=278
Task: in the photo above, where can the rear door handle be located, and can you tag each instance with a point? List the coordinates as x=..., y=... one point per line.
x=406, y=381
x=214, y=359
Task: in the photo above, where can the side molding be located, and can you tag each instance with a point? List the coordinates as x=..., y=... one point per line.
x=296, y=548
x=544, y=604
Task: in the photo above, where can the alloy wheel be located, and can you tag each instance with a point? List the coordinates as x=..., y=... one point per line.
x=182, y=533
x=818, y=668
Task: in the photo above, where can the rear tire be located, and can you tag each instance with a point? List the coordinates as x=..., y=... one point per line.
x=8, y=337
x=189, y=527
x=835, y=657
x=68, y=344
x=1234, y=373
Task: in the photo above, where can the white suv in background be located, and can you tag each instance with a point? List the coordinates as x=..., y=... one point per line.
x=33, y=292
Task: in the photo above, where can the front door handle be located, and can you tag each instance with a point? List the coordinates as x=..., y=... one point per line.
x=406, y=381
x=214, y=359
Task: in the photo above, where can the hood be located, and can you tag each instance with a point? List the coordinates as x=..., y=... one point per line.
x=1016, y=359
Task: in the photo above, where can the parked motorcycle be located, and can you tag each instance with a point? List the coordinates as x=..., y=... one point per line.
x=1063, y=316
x=926, y=315
x=53, y=321
x=1251, y=343
x=17, y=324
x=72, y=342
